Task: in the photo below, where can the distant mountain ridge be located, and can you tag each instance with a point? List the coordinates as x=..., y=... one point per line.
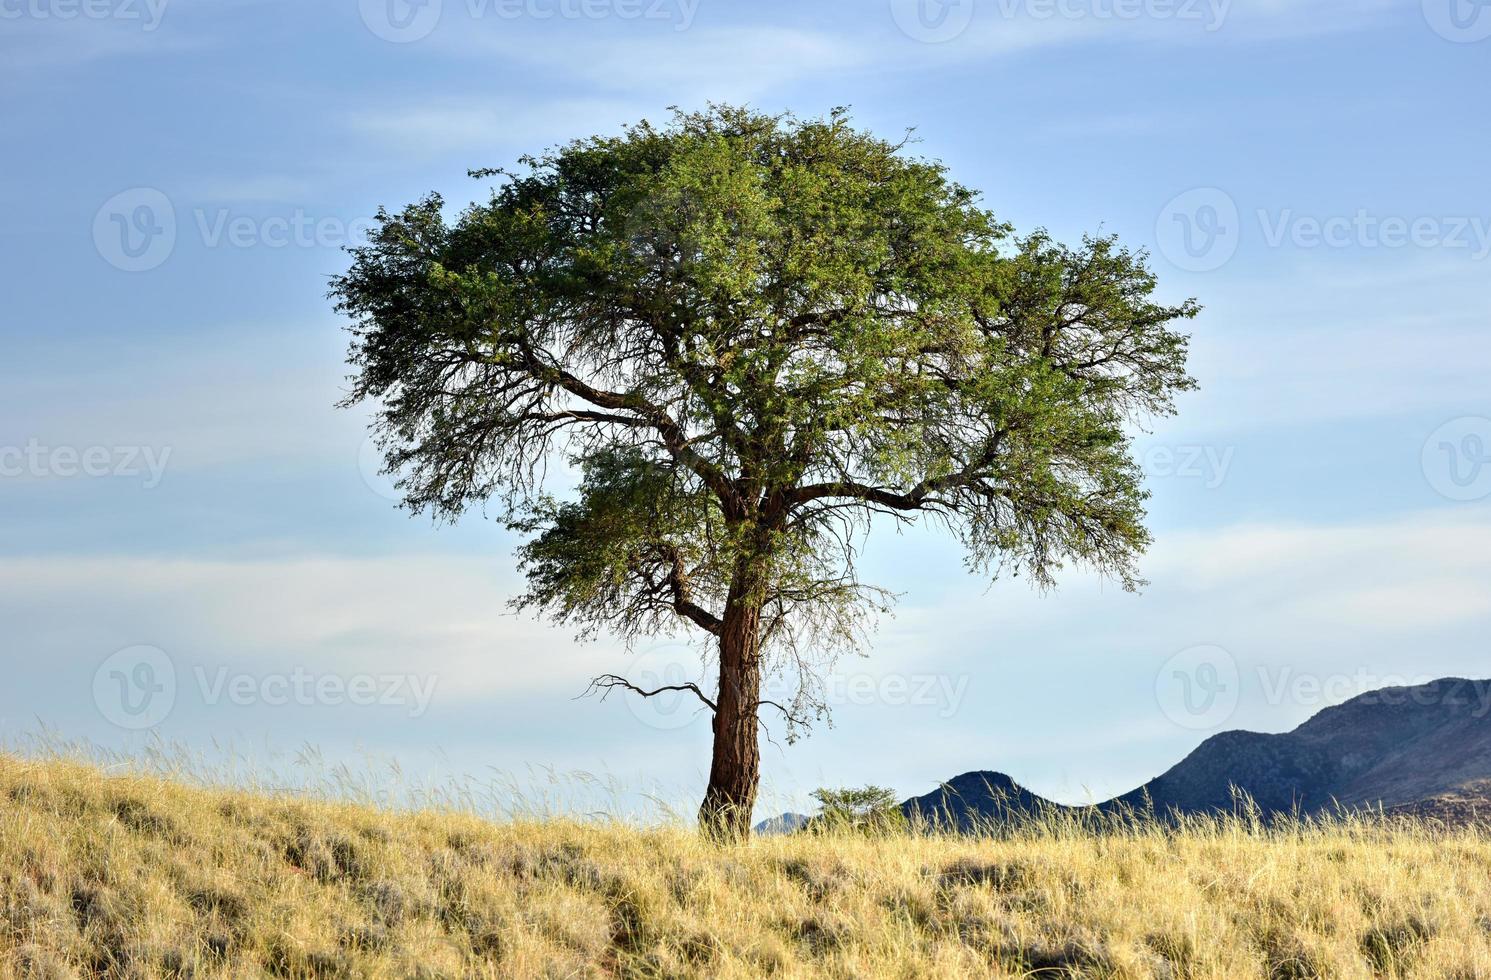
x=1424, y=749
x=785, y=823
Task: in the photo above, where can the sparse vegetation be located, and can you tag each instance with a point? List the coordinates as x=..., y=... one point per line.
x=867, y=808
x=133, y=876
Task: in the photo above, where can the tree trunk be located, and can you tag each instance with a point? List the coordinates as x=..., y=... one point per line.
x=735, y=770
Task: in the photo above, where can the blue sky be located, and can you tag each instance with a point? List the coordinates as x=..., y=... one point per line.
x=179, y=177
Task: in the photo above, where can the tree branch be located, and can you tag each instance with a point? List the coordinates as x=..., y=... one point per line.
x=683, y=602
x=674, y=438
x=606, y=683
x=914, y=499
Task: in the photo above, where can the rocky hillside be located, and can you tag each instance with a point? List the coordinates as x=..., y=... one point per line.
x=1424, y=750
x=975, y=798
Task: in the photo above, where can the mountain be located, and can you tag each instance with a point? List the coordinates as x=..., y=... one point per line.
x=1424, y=750
x=784, y=824
x=975, y=797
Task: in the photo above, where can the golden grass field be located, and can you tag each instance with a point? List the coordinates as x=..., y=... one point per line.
x=135, y=876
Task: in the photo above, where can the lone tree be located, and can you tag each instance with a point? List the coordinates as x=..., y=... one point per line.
x=866, y=808
x=751, y=335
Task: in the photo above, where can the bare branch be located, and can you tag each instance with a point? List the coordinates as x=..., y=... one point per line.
x=606, y=683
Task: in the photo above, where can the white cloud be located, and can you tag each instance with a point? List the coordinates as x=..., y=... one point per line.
x=208, y=399
x=488, y=692
x=440, y=617
x=638, y=73
x=1063, y=689
x=641, y=67
x=477, y=126
x=1060, y=688
x=729, y=64
x=742, y=61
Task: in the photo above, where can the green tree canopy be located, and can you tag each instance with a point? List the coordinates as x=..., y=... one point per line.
x=865, y=808
x=753, y=335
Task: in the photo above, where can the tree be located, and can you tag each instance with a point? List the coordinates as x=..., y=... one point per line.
x=751, y=335
x=868, y=808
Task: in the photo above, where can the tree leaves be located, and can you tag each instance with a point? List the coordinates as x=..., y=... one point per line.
x=754, y=335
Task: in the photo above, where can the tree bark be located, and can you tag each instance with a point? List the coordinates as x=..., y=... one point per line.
x=735, y=770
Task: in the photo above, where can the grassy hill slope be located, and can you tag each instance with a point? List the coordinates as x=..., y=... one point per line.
x=138, y=877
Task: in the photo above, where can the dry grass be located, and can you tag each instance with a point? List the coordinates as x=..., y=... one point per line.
x=142, y=877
